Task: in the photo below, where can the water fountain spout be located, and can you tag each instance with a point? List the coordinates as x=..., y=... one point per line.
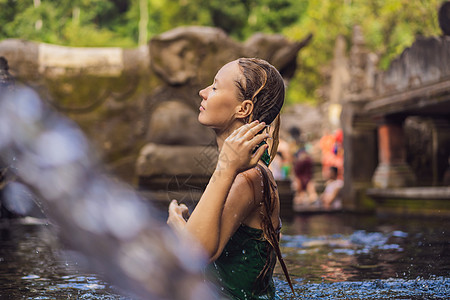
x=104, y=221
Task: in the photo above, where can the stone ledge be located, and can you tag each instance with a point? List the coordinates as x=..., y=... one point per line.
x=416, y=99
x=173, y=160
x=441, y=193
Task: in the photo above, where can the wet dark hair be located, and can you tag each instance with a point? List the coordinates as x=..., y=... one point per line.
x=264, y=86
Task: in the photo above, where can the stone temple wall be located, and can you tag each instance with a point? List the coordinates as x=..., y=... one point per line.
x=146, y=98
x=396, y=129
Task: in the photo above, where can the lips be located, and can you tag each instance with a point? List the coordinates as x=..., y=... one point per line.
x=201, y=108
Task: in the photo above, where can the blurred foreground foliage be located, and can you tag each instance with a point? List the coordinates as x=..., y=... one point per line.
x=388, y=25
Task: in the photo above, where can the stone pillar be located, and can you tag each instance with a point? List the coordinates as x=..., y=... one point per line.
x=360, y=130
x=360, y=157
x=392, y=169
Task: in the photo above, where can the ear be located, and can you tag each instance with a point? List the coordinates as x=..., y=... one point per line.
x=244, y=109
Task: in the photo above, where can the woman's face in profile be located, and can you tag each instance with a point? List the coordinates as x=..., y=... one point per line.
x=220, y=100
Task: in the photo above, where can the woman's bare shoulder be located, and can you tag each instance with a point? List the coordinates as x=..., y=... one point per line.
x=253, y=174
x=251, y=180
x=257, y=173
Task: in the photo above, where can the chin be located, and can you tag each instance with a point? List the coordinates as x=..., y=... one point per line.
x=200, y=120
x=215, y=124
x=211, y=125
x=204, y=122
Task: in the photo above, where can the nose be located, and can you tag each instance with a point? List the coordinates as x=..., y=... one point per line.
x=203, y=93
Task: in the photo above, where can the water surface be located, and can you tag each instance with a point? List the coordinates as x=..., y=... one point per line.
x=329, y=256
x=347, y=256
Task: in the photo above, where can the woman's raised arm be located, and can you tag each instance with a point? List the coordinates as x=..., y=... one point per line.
x=235, y=156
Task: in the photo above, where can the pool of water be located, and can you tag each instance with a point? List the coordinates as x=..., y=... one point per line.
x=32, y=267
x=346, y=256
x=329, y=256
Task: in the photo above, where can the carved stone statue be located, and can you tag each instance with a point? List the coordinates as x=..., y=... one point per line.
x=143, y=98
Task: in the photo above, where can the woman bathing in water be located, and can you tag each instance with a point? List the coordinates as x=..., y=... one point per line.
x=237, y=218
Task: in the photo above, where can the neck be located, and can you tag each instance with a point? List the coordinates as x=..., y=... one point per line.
x=222, y=134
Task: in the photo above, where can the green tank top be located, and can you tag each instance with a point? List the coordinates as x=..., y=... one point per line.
x=236, y=271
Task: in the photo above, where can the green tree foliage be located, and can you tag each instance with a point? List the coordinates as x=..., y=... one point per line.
x=73, y=23
x=388, y=25
x=231, y=17
x=272, y=16
x=92, y=22
x=242, y=18
x=23, y=20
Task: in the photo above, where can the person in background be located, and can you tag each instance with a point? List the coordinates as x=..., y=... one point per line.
x=286, y=155
x=305, y=189
x=332, y=153
x=331, y=196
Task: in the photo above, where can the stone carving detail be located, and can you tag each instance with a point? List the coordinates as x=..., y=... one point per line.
x=186, y=60
x=419, y=147
x=169, y=122
x=426, y=61
x=191, y=54
x=125, y=98
x=362, y=69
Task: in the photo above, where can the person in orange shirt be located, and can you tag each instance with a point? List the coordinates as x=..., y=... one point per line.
x=332, y=153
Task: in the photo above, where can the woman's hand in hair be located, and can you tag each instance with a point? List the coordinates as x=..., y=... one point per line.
x=237, y=151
